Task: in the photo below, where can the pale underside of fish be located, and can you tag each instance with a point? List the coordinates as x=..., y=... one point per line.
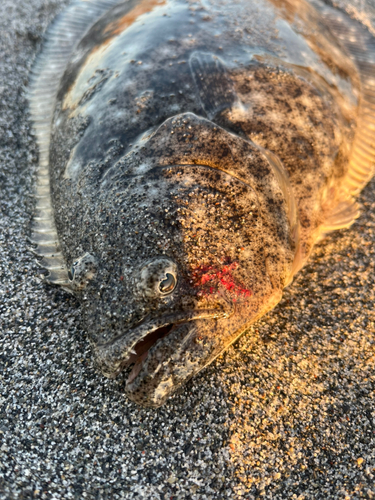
x=191, y=155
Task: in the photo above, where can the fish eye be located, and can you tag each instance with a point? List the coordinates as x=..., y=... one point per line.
x=168, y=284
x=157, y=277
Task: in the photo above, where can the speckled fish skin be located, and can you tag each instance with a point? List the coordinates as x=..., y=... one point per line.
x=201, y=142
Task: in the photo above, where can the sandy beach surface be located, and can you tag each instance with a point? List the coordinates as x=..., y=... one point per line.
x=288, y=412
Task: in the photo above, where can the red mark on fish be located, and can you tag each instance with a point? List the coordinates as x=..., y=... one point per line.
x=210, y=277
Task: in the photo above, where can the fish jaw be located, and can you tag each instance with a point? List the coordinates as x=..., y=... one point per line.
x=114, y=356
x=166, y=352
x=173, y=360
x=190, y=347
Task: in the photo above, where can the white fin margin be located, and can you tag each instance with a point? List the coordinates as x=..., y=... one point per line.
x=60, y=41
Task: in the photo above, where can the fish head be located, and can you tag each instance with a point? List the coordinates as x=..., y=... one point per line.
x=195, y=247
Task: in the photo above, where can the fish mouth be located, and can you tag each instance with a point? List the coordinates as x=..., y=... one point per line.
x=141, y=349
x=132, y=347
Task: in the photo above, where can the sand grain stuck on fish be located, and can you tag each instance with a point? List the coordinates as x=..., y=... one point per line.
x=287, y=412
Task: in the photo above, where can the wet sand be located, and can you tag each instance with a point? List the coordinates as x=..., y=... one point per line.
x=287, y=412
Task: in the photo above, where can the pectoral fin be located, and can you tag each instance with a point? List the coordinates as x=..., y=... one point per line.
x=342, y=216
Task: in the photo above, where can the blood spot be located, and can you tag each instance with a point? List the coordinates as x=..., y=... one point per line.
x=209, y=278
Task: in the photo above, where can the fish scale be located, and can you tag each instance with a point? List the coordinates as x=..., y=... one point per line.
x=188, y=166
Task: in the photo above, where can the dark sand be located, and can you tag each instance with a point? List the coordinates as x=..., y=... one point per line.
x=288, y=412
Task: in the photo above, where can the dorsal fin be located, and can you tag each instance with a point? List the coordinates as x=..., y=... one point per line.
x=360, y=45
x=60, y=41
x=215, y=88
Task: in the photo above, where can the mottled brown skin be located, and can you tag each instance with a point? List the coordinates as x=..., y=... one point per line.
x=157, y=154
x=314, y=146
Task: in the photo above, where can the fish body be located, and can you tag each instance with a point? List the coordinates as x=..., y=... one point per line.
x=192, y=153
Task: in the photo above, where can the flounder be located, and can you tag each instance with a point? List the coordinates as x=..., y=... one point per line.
x=192, y=152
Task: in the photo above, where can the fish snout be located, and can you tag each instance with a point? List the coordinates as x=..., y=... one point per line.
x=164, y=353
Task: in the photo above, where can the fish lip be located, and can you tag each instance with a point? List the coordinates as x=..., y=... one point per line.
x=114, y=355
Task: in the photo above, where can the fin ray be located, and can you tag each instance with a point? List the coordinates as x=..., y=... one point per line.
x=60, y=41
x=360, y=45
x=342, y=216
